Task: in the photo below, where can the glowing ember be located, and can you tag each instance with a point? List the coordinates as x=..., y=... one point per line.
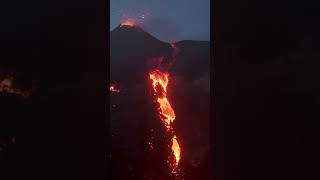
x=150, y=145
x=114, y=89
x=129, y=22
x=7, y=87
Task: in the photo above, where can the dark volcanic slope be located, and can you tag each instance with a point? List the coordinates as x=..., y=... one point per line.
x=193, y=61
x=133, y=113
x=131, y=46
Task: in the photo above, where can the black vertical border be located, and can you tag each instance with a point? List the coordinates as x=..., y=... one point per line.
x=217, y=127
x=107, y=32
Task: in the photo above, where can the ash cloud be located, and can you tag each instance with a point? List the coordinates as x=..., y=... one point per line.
x=163, y=28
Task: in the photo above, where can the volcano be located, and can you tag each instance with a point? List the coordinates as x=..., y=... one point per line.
x=139, y=139
x=127, y=53
x=129, y=47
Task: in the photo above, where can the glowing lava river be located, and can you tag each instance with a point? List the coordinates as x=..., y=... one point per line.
x=160, y=81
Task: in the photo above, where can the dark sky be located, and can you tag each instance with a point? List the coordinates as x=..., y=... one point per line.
x=168, y=20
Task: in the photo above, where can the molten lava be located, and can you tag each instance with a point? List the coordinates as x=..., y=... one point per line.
x=176, y=149
x=160, y=82
x=166, y=111
x=128, y=22
x=114, y=89
x=159, y=78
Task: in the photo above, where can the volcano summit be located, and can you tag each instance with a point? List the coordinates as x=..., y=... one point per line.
x=131, y=45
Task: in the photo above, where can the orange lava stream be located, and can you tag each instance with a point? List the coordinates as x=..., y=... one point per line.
x=176, y=149
x=160, y=82
x=159, y=78
x=166, y=111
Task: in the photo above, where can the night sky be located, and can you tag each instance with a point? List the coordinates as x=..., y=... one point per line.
x=167, y=20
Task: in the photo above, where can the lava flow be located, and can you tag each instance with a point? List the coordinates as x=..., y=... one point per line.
x=176, y=149
x=160, y=82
